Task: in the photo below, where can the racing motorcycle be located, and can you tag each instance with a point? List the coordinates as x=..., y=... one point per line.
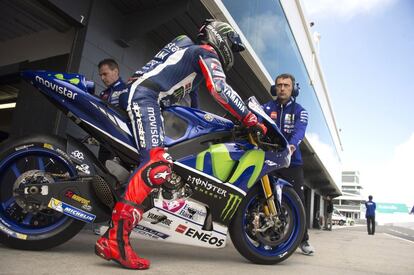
x=221, y=182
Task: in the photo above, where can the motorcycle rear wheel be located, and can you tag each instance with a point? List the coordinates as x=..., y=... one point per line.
x=38, y=230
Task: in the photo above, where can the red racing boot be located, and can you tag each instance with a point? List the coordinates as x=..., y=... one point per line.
x=114, y=244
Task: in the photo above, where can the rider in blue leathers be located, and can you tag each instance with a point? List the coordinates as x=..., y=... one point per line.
x=175, y=71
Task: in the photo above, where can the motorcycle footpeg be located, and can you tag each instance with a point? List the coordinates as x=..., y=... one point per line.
x=103, y=191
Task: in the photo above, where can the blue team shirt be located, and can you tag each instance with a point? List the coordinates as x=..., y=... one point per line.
x=371, y=206
x=116, y=94
x=292, y=119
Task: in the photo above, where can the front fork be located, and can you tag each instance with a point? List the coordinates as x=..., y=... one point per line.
x=270, y=208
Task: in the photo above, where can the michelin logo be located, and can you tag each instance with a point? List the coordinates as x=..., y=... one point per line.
x=71, y=211
x=57, y=88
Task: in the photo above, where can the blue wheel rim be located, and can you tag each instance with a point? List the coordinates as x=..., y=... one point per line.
x=10, y=164
x=285, y=245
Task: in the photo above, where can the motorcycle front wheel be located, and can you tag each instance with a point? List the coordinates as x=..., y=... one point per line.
x=274, y=244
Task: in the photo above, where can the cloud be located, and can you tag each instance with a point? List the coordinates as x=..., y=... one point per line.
x=260, y=28
x=393, y=180
x=344, y=9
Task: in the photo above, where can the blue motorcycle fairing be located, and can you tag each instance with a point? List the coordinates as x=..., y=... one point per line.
x=198, y=123
x=257, y=109
x=77, y=103
x=70, y=93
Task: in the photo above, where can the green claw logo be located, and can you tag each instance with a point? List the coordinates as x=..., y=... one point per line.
x=231, y=207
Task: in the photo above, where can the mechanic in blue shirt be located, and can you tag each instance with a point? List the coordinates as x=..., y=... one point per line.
x=115, y=90
x=292, y=119
x=370, y=215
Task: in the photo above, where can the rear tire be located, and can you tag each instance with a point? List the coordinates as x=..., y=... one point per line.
x=254, y=250
x=19, y=230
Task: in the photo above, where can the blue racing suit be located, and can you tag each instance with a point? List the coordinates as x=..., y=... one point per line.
x=176, y=71
x=292, y=120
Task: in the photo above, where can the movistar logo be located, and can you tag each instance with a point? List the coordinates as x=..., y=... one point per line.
x=57, y=88
x=231, y=207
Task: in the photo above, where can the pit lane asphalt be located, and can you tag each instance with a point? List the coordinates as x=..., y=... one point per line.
x=341, y=251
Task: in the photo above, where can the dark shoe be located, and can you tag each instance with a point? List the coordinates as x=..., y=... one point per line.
x=115, y=245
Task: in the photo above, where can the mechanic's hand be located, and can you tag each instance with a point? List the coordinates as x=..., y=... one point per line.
x=292, y=148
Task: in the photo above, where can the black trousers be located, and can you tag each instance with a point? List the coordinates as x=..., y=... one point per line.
x=371, y=225
x=294, y=175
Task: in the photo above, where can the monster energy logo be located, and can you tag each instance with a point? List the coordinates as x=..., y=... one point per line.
x=231, y=207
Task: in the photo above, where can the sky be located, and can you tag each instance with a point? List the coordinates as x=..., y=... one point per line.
x=367, y=56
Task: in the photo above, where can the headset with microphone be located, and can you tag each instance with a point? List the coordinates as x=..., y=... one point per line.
x=295, y=91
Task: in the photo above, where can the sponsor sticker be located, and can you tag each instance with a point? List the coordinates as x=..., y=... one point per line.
x=190, y=212
x=78, y=155
x=181, y=228
x=11, y=232
x=85, y=203
x=289, y=118
x=231, y=207
x=173, y=206
x=48, y=146
x=143, y=230
x=207, y=187
x=270, y=163
x=84, y=168
x=71, y=211
x=155, y=217
x=57, y=88
x=201, y=236
x=23, y=147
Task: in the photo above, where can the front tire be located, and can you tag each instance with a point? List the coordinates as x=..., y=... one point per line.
x=253, y=248
x=37, y=230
